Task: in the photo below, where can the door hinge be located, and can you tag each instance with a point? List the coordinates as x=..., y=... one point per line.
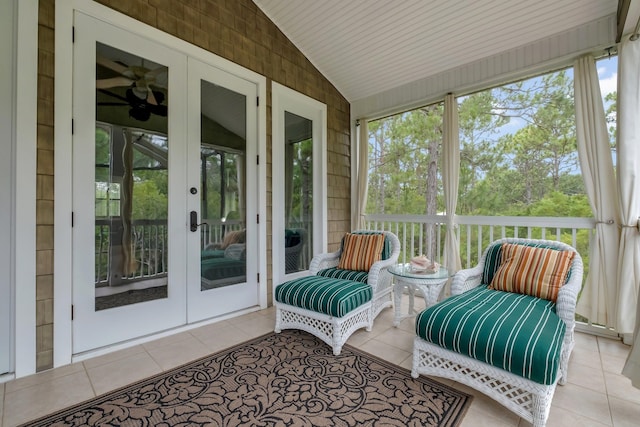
x=257, y=160
x=73, y=34
x=71, y=311
x=258, y=277
x=257, y=101
x=258, y=219
x=72, y=128
x=72, y=219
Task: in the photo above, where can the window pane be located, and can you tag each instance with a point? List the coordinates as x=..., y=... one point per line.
x=405, y=162
x=298, y=192
x=131, y=179
x=222, y=186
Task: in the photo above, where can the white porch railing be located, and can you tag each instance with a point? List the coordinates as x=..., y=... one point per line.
x=424, y=234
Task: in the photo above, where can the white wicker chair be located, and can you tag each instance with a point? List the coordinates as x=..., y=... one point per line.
x=336, y=330
x=379, y=277
x=526, y=398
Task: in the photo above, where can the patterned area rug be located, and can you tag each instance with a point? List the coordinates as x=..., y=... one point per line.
x=286, y=379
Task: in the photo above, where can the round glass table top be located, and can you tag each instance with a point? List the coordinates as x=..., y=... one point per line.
x=405, y=270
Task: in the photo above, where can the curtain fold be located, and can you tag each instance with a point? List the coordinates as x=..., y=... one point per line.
x=628, y=161
x=450, y=176
x=598, y=298
x=357, y=217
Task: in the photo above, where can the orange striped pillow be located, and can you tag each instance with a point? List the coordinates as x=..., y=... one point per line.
x=539, y=272
x=360, y=251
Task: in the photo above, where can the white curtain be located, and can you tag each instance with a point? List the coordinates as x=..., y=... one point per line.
x=599, y=294
x=357, y=217
x=450, y=174
x=629, y=185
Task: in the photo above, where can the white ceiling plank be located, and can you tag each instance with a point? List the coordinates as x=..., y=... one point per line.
x=367, y=46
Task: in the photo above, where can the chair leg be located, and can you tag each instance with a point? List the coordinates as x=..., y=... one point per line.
x=540, y=409
x=277, y=329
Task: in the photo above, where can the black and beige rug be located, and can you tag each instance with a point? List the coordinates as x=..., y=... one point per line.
x=286, y=379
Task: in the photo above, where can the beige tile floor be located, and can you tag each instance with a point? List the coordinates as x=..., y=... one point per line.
x=595, y=395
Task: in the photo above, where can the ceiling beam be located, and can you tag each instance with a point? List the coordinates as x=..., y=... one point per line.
x=621, y=15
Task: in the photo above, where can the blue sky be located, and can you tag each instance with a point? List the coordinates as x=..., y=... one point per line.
x=608, y=73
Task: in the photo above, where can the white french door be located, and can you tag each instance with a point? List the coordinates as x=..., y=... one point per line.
x=155, y=157
x=222, y=242
x=129, y=240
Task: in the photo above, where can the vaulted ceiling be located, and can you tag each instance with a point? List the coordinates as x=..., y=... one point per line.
x=365, y=47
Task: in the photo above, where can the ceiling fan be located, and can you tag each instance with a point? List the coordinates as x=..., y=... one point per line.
x=139, y=95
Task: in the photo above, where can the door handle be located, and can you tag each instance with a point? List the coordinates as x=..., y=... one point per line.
x=193, y=217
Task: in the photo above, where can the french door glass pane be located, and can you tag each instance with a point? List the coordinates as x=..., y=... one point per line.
x=222, y=186
x=131, y=179
x=298, y=192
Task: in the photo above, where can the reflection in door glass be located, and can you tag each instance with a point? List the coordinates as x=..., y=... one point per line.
x=222, y=187
x=298, y=176
x=131, y=179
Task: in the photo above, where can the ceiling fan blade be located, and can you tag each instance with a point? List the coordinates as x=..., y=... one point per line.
x=151, y=99
x=106, y=62
x=113, y=82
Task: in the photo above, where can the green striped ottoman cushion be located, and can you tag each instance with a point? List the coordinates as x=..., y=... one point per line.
x=338, y=273
x=518, y=333
x=334, y=297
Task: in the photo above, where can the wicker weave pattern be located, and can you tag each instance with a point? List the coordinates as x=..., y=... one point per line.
x=333, y=330
x=528, y=399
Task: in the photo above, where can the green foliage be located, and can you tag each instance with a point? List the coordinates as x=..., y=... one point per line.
x=148, y=201
x=517, y=152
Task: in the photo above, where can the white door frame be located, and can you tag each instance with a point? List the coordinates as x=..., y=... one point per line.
x=286, y=99
x=22, y=24
x=63, y=153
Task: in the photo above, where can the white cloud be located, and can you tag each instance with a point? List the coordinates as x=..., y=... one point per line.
x=609, y=84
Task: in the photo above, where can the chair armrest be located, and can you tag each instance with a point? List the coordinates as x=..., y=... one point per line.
x=322, y=261
x=378, y=270
x=467, y=279
x=568, y=294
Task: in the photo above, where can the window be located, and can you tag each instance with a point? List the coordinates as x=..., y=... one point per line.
x=405, y=157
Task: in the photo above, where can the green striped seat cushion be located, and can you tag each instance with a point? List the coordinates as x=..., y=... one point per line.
x=518, y=333
x=338, y=273
x=334, y=297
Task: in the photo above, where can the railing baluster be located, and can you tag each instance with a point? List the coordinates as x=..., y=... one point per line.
x=468, y=246
x=480, y=245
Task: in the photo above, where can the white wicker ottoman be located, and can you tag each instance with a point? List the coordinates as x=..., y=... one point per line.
x=331, y=309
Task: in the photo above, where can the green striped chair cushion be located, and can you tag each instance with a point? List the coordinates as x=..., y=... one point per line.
x=334, y=297
x=518, y=333
x=338, y=273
